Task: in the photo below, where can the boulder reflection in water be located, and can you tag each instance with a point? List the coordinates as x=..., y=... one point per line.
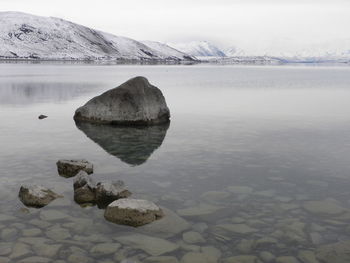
x=132, y=145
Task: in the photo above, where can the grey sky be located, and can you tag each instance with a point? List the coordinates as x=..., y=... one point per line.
x=243, y=23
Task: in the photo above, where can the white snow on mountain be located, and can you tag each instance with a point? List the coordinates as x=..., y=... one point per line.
x=171, y=52
x=199, y=49
x=28, y=36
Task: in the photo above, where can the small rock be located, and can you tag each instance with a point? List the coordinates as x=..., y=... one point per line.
x=238, y=228
x=267, y=257
x=161, y=259
x=46, y=250
x=58, y=233
x=20, y=250
x=104, y=249
x=31, y=232
x=52, y=215
x=132, y=212
x=82, y=179
x=151, y=245
x=84, y=195
x=325, y=207
x=195, y=257
x=41, y=116
x=241, y=259
x=36, y=195
x=287, y=259
x=70, y=168
x=307, y=256
x=106, y=193
x=8, y=234
x=334, y=253
x=192, y=237
x=5, y=248
x=35, y=259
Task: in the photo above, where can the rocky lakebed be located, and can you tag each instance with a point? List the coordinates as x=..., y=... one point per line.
x=161, y=188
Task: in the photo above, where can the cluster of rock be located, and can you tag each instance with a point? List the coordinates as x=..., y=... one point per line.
x=110, y=195
x=101, y=193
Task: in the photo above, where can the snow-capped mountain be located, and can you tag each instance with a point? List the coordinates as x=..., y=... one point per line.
x=28, y=36
x=199, y=49
x=171, y=52
x=234, y=52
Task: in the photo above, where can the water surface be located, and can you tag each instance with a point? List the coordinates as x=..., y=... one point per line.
x=256, y=160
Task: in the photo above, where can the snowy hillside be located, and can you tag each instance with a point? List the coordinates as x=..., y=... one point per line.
x=164, y=48
x=28, y=36
x=199, y=49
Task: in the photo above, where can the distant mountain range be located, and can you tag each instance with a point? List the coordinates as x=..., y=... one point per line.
x=327, y=52
x=25, y=36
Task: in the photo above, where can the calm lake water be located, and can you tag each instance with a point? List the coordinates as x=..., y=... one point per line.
x=254, y=166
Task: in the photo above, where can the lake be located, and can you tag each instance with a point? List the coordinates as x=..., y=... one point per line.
x=254, y=166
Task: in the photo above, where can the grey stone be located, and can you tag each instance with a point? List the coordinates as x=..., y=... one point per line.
x=237, y=228
x=169, y=225
x=53, y=215
x=161, y=259
x=35, y=259
x=82, y=179
x=325, y=207
x=31, y=232
x=287, y=259
x=58, y=233
x=107, y=192
x=84, y=195
x=104, y=249
x=20, y=250
x=334, y=253
x=8, y=234
x=195, y=257
x=4, y=218
x=46, y=250
x=307, y=256
x=79, y=258
x=242, y=259
x=4, y=260
x=132, y=212
x=267, y=257
x=151, y=245
x=36, y=195
x=5, y=248
x=135, y=102
x=199, y=210
x=70, y=168
x=192, y=237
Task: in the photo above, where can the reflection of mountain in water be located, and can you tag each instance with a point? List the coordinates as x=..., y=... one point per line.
x=27, y=93
x=132, y=145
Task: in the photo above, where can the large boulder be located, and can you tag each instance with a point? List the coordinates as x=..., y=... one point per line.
x=70, y=168
x=132, y=212
x=135, y=102
x=36, y=195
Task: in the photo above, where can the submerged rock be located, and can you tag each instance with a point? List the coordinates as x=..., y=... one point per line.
x=151, y=245
x=135, y=102
x=334, y=253
x=325, y=207
x=36, y=195
x=132, y=212
x=132, y=145
x=70, y=168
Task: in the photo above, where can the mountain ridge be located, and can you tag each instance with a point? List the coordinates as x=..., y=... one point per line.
x=26, y=36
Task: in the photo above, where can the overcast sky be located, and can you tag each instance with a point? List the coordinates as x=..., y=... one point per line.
x=245, y=23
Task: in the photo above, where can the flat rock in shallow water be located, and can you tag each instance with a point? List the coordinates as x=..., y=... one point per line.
x=238, y=228
x=334, y=253
x=325, y=207
x=135, y=102
x=36, y=195
x=132, y=212
x=151, y=245
x=70, y=168
x=168, y=226
x=242, y=259
x=200, y=210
